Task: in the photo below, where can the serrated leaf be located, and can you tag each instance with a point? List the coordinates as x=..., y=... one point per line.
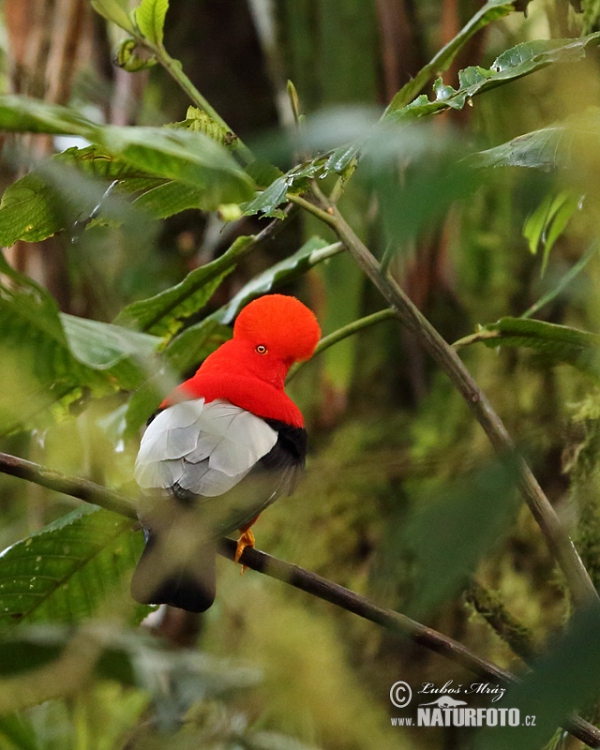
x=556, y=343
x=491, y=11
x=34, y=207
x=182, y=155
x=268, y=201
x=150, y=17
x=297, y=180
x=64, y=571
x=200, y=122
x=164, y=313
x=522, y=60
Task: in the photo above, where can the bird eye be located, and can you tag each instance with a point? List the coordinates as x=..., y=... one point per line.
x=261, y=349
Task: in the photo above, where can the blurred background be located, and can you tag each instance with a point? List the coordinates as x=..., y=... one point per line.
x=400, y=478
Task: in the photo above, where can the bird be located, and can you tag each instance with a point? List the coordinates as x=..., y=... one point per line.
x=221, y=448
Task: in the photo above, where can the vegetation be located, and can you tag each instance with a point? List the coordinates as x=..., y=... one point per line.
x=441, y=218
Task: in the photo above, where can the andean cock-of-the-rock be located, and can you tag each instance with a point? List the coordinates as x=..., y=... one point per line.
x=225, y=445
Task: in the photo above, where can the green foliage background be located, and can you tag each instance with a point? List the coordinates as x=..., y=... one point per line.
x=478, y=192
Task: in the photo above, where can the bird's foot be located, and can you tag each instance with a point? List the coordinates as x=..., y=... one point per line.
x=245, y=540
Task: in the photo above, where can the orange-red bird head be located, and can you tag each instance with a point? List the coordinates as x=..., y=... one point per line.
x=269, y=335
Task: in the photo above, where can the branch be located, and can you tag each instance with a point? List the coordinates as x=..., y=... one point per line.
x=343, y=333
x=298, y=577
x=560, y=545
x=73, y=486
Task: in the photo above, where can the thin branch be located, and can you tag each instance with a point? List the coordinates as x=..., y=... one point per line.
x=73, y=486
x=560, y=545
x=345, y=332
x=325, y=216
x=301, y=579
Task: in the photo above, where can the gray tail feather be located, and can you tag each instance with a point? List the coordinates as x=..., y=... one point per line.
x=163, y=578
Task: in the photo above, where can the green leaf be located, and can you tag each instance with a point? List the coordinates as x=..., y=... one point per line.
x=200, y=122
x=446, y=539
x=556, y=146
x=170, y=198
x=28, y=211
x=22, y=114
x=46, y=356
x=522, y=60
x=545, y=225
x=547, y=693
x=102, y=346
x=296, y=180
x=66, y=570
x=173, y=154
x=163, y=313
x=41, y=204
x=491, y=11
x=150, y=17
x=115, y=11
x=555, y=343
x=183, y=155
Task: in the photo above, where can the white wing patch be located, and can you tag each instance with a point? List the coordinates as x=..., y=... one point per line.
x=205, y=448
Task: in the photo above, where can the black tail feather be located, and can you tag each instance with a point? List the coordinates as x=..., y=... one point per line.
x=161, y=577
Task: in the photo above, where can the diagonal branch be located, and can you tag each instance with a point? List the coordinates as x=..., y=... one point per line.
x=301, y=579
x=560, y=545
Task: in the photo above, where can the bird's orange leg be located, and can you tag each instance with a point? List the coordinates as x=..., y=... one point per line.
x=246, y=540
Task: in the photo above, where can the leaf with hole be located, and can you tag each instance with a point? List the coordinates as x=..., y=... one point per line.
x=522, y=60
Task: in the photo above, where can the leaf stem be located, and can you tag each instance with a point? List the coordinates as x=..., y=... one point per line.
x=561, y=546
x=302, y=579
x=344, y=332
x=325, y=216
